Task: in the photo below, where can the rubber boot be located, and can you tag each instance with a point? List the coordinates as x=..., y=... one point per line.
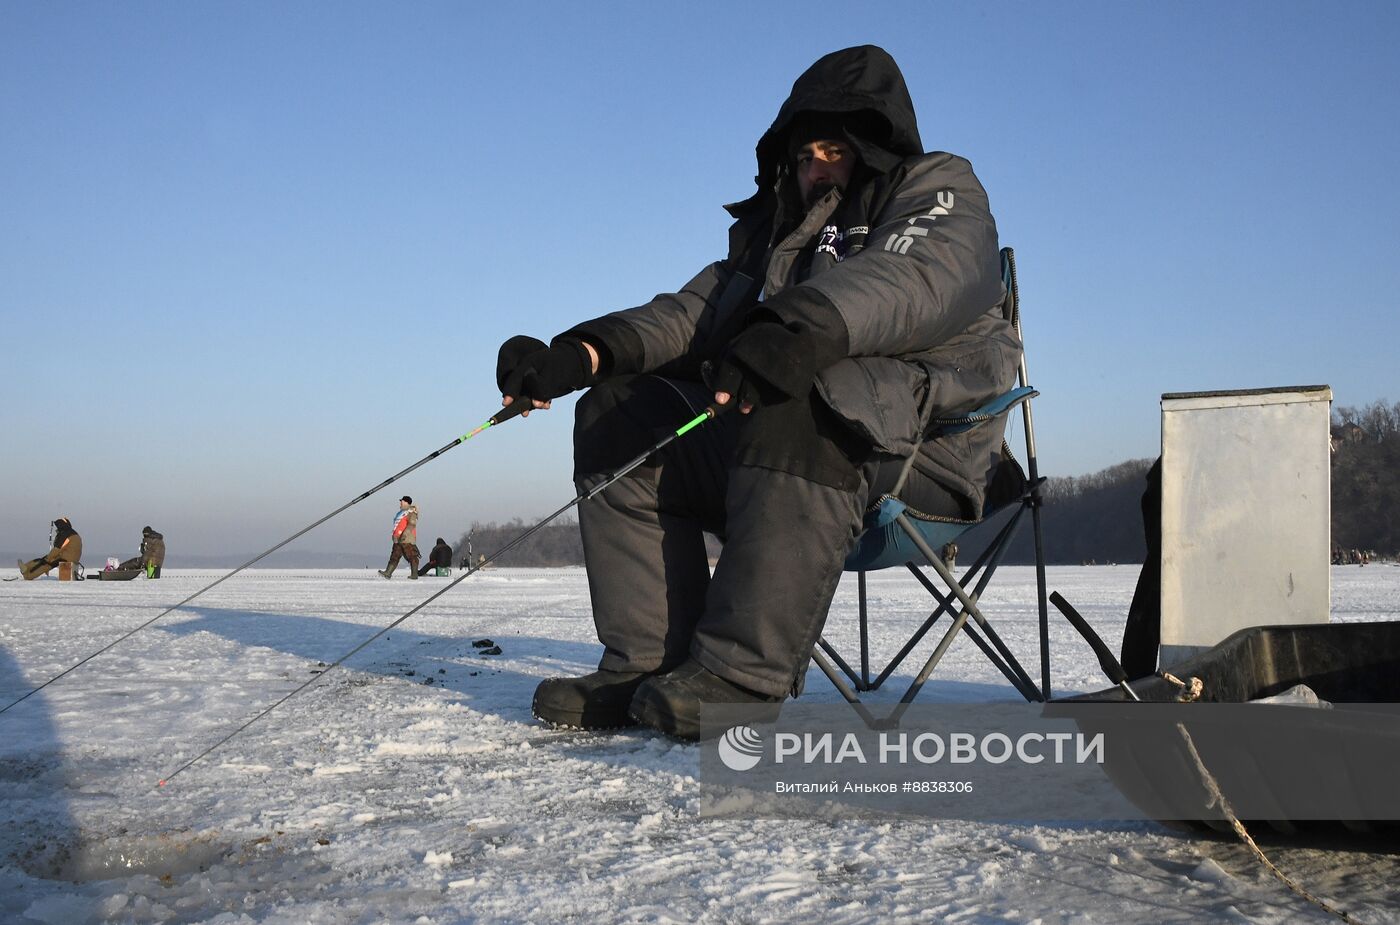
x=594, y=701
x=694, y=703
x=388, y=570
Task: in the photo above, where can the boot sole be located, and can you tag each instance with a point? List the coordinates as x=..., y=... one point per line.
x=574, y=719
x=578, y=727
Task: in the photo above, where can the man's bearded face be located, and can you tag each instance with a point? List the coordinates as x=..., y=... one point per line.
x=822, y=165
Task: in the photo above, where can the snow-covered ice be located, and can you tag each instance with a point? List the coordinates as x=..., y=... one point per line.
x=412, y=785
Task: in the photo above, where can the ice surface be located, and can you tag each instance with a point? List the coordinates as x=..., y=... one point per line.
x=373, y=796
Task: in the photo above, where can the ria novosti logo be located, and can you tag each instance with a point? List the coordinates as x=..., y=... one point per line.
x=741, y=748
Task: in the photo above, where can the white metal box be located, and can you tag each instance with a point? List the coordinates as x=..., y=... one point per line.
x=1246, y=513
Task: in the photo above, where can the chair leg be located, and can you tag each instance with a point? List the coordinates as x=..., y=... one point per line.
x=841, y=663
x=1008, y=663
x=1014, y=672
x=1024, y=686
x=834, y=677
x=969, y=605
x=1033, y=476
x=958, y=623
x=914, y=640
x=864, y=634
x=1040, y=582
x=1020, y=681
x=1003, y=659
x=997, y=551
x=945, y=601
x=996, y=651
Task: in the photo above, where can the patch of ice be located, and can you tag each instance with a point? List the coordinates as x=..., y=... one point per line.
x=247, y=768
x=438, y=858
x=60, y=910
x=432, y=749
x=328, y=770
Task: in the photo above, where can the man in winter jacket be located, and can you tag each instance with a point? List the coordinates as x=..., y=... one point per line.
x=405, y=537
x=67, y=547
x=439, y=557
x=860, y=300
x=152, y=555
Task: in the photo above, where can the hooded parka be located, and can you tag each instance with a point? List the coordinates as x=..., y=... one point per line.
x=152, y=548
x=903, y=265
x=898, y=278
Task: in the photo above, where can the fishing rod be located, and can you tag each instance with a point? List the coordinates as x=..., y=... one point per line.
x=710, y=412
x=505, y=414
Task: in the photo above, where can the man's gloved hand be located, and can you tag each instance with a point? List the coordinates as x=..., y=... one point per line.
x=762, y=367
x=780, y=352
x=528, y=368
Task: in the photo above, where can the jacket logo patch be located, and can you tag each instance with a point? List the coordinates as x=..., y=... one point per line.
x=834, y=241
x=900, y=243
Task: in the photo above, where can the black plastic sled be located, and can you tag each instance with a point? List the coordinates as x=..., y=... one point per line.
x=119, y=574
x=1294, y=764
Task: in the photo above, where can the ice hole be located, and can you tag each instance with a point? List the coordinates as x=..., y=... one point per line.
x=164, y=857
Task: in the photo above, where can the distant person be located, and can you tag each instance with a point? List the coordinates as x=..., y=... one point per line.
x=440, y=557
x=67, y=547
x=467, y=561
x=405, y=538
x=950, y=555
x=152, y=555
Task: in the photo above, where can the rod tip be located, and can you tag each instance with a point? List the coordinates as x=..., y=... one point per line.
x=160, y=784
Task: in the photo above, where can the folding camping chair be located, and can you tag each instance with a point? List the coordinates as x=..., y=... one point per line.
x=896, y=534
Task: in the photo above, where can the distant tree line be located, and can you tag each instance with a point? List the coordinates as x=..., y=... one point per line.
x=557, y=544
x=1365, y=467
x=1093, y=518
x=1097, y=518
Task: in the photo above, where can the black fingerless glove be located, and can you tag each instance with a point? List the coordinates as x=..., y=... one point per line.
x=528, y=368
x=789, y=339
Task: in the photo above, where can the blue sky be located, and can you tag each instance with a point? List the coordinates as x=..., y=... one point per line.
x=256, y=257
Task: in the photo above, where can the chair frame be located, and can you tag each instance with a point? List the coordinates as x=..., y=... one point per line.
x=958, y=595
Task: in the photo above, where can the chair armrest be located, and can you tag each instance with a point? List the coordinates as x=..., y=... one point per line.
x=997, y=406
